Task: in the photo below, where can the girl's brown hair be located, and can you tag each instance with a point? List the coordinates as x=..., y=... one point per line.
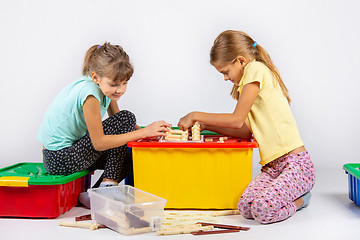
x=108, y=61
x=230, y=44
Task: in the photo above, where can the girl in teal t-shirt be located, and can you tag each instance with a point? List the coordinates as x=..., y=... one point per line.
x=72, y=132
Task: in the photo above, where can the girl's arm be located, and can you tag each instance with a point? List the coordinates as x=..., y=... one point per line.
x=243, y=132
x=233, y=120
x=113, y=108
x=103, y=142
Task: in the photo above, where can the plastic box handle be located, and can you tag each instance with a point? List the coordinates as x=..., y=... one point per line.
x=9, y=181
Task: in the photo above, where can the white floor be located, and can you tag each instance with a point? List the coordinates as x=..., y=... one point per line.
x=331, y=215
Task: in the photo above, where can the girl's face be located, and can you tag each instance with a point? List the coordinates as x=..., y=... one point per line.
x=112, y=89
x=233, y=71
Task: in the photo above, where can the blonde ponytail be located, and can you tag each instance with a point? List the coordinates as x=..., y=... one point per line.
x=264, y=57
x=230, y=44
x=86, y=65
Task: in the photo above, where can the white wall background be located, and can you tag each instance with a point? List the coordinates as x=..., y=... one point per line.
x=315, y=45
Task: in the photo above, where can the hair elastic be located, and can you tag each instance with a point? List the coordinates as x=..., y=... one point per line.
x=98, y=47
x=255, y=43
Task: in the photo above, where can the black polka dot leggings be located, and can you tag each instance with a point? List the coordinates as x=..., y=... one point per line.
x=116, y=162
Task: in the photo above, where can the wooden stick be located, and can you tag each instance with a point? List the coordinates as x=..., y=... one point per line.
x=83, y=218
x=132, y=231
x=174, y=131
x=184, y=230
x=172, y=139
x=223, y=138
x=173, y=136
x=195, y=132
x=91, y=226
x=225, y=213
x=181, y=227
x=214, y=232
x=224, y=226
x=215, y=213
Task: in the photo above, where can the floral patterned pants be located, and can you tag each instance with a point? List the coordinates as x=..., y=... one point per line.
x=270, y=196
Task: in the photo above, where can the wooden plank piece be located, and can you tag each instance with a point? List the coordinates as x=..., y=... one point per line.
x=224, y=226
x=83, y=218
x=214, y=232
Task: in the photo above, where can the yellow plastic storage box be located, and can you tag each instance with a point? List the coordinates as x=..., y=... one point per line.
x=189, y=175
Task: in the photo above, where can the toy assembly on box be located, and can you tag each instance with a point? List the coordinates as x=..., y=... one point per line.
x=169, y=173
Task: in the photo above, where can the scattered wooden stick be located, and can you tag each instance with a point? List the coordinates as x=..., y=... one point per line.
x=90, y=225
x=225, y=213
x=203, y=213
x=83, y=218
x=131, y=231
x=224, y=226
x=214, y=232
x=184, y=230
x=86, y=218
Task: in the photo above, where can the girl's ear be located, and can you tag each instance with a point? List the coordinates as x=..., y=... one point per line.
x=95, y=77
x=241, y=59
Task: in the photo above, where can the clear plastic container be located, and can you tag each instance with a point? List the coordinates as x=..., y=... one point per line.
x=126, y=209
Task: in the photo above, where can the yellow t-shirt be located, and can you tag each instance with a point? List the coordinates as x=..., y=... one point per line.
x=270, y=118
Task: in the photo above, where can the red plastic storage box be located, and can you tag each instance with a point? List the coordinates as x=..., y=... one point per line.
x=27, y=190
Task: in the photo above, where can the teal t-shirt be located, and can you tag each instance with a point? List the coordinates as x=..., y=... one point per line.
x=64, y=121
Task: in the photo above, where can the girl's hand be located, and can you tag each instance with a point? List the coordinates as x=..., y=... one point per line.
x=156, y=129
x=202, y=126
x=186, y=122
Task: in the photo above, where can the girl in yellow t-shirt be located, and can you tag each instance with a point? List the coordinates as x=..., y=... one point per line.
x=262, y=110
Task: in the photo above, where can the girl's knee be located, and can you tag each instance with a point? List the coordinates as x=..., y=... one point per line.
x=263, y=210
x=244, y=207
x=126, y=117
